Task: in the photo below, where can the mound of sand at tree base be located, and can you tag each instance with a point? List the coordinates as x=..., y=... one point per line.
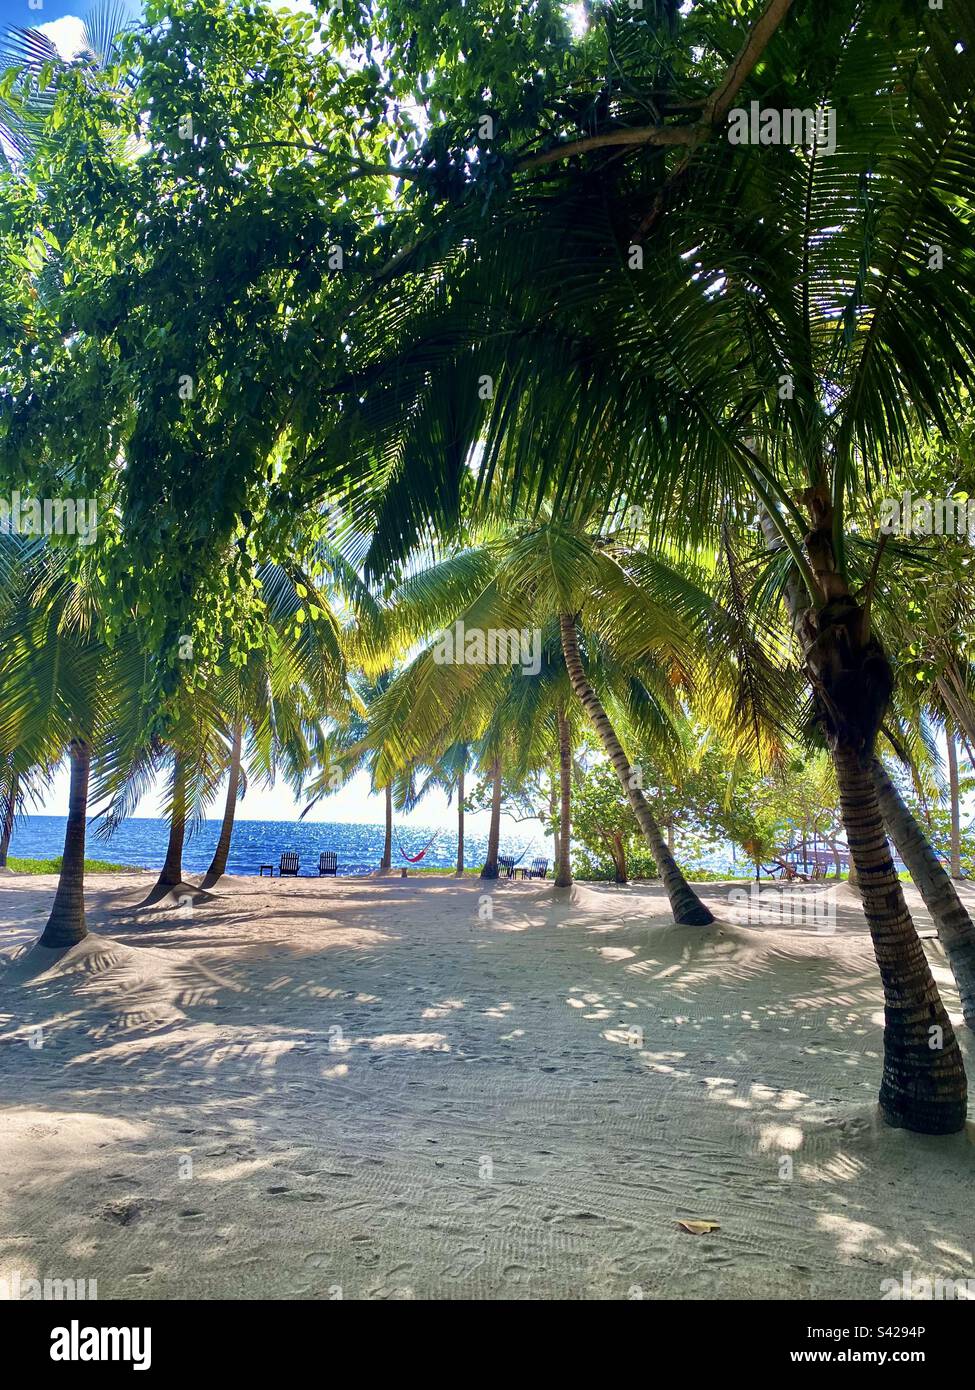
x=432, y=1088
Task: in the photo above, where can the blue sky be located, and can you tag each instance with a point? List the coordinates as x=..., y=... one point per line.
x=21, y=14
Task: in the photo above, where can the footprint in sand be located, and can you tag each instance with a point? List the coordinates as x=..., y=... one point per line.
x=123, y=1213
x=464, y=1263
x=362, y=1254
x=320, y=1259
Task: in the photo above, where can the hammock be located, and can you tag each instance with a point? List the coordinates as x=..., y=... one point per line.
x=415, y=858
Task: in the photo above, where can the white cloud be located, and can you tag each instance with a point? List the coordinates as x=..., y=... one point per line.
x=67, y=35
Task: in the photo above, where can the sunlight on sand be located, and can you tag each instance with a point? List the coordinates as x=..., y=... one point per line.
x=252, y=1100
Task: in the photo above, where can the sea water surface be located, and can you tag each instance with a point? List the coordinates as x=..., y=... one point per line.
x=141, y=842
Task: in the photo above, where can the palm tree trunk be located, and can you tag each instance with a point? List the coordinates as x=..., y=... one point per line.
x=923, y=1086
x=66, y=925
x=955, y=808
x=553, y=808
x=218, y=864
x=686, y=906
x=490, y=869
x=8, y=819
x=955, y=928
x=171, y=875
x=563, y=868
x=387, y=860
x=460, y=822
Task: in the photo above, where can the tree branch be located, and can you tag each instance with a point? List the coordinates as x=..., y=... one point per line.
x=715, y=108
x=752, y=49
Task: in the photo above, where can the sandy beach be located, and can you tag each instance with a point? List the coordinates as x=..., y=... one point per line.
x=390, y=1089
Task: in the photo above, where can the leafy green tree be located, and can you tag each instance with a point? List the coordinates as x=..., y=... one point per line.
x=607, y=830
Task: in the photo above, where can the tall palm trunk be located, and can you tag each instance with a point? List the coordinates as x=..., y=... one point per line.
x=686, y=906
x=460, y=822
x=955, y=807
x=66, y=925
x=553, y=808
x=490, y=869
x=8, y=820
x=563, y=869
x=218, y=864
x=387, y=860
x=171, y=875
x=955, y=927
x=923, y=1087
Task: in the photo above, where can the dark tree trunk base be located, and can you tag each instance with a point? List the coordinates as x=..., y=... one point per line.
x=66, y=925
x=172, y=893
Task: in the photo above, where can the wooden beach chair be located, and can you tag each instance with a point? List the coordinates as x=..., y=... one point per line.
x=539, y=869
x=288, y=867
x=328, y=863
x=506, y=866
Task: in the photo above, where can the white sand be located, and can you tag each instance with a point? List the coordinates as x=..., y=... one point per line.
x=381, y=1092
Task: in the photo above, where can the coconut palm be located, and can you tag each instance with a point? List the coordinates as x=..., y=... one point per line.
x=447, y=772
x=292, y=676
x=295, y=678
x=780, y=334
x=65, y=691
x=344, y=749
x=25, y=107
x=895, y=612
x=645, y=627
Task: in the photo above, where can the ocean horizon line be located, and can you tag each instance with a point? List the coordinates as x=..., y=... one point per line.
x=140, y=843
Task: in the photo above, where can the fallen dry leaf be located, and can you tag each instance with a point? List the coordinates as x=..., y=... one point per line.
x=699, y=1228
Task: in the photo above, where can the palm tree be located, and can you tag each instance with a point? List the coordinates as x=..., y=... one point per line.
x=645, y=625
x=294, y=678
x=448, y=772
x=685, y=904
x=221, y=853
x=774, y=338
x=11, y=796
x=190, y=759
x=951, y=918
x=64, y=691
x=293, y=675
x=939, y=894
x=489, y=869
x=563, y=867
x=23, y=112
x=348, y=747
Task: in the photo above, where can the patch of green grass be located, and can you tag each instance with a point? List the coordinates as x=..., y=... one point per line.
x=443, y=873
x=53, y=866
